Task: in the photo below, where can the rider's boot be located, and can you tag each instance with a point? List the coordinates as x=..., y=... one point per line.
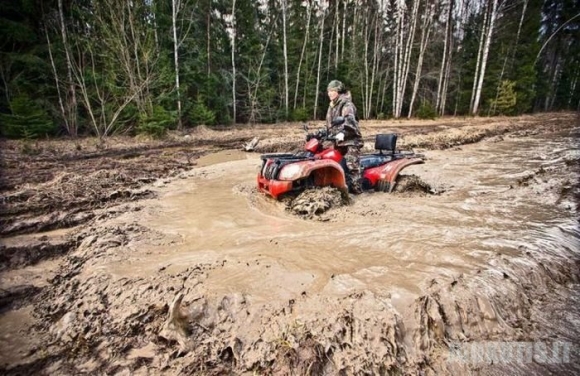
x=354, y=186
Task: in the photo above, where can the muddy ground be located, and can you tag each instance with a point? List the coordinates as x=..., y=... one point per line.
x=87, y=231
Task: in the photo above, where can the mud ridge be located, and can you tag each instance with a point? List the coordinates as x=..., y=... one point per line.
x=18, y=256
x=67, y=201
x=185, y=329
x=170, y=322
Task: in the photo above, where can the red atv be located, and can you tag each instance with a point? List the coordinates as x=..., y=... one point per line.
x=319, y=165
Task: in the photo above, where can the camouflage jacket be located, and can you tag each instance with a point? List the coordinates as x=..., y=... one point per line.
x=343, y=106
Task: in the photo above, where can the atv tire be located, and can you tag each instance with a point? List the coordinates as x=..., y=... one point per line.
x=411, y=183
x=404, y=183
x=315, y=201
x=382, y=186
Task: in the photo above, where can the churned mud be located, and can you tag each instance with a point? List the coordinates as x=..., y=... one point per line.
x=162, y=258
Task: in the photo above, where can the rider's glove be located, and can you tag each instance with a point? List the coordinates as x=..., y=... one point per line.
x=339, y=137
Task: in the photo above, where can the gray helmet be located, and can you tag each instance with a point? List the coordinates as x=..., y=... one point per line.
x=336, y=85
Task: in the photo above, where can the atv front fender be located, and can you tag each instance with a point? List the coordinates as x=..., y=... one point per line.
x=323, y=172
x=388, y=174
x=319, y=173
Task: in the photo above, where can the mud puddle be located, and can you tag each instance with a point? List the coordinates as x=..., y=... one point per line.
x=212, y=277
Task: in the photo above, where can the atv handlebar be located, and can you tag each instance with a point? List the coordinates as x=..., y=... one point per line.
x=321, y=135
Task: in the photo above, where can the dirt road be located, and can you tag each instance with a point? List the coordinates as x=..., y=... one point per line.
x=160, y=256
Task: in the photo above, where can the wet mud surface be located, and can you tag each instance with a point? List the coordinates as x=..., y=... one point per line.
x=162, y=258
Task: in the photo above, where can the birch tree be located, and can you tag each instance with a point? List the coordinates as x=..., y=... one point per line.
x=70, y=110
x=308, y=5
x=232, y=34
x=175, y=7
x=285, y=43
x=425, y=33
x=115, y=62
x=481, y=73
x=322, y=14
x=445, y=61
x=403, y=52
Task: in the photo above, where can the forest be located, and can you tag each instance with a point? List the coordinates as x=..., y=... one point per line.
x=86, y=67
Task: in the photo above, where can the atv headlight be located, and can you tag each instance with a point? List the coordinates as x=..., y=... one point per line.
x=290, y=172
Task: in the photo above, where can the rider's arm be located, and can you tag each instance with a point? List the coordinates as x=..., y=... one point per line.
x=349, y=113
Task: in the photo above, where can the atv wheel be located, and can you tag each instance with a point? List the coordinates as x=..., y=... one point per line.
x=315, y=201
x=382, y=186
x=411, y=183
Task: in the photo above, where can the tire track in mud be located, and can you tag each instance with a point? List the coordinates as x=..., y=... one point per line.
x=99, y=324
x=356, y=334
x=138, y=324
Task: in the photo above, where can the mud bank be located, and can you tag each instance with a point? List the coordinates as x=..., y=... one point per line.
x=206, y=277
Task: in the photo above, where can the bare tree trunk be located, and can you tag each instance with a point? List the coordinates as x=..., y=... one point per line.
x=397, y=66
x=375, y=67
x=519, y=31
x=478, y=61
x=407, y=56
x=285, y=58
x=365, y=87
x=443, y=82
x=234, y=60
x=554, y=79
x=71, y=96
x=336, y=18
x=306, y=35
x=253, y=87
x=403, y=56
x=208, y=33
x=321, y=43
x=573, y=85
x=135, y=42
x=175, y=5
x=425, y=32
x=330, y=44
x=57, y=83
x=343, y=36
x=484, y=57
x=446, y=79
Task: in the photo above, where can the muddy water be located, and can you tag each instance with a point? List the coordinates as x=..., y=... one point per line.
x=387, y=279
x=498, y=198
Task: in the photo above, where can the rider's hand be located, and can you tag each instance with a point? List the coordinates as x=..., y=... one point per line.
x=339, y=137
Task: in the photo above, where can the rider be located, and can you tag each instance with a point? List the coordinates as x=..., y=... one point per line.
x=348, y=136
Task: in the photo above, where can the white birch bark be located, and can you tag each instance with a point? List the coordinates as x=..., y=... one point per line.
x=484, y=57
x=233, y=36
x=343, y=34
x=447, y=71
x=446, y=78
x=397, y=64
x=304, y=44
x=320, y=46
x=175, y=5
x=337, y=31
x=331, y=43
x=366, y=89
x=286, y=89
x=403, y=54
x=71, y=97
x=208, y=35
x=377, y=46
x=425, y=33
x=478, y=62
x=444, y=58
x=407, y=55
